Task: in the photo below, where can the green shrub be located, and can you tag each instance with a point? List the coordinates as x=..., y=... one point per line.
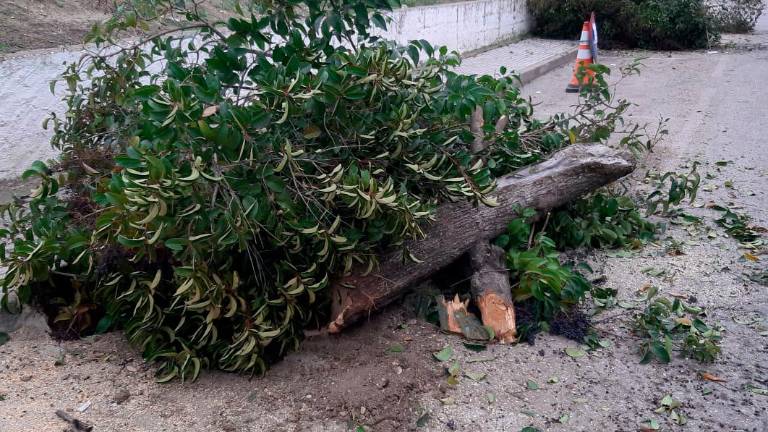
x=651, y=24
x=736, y=16
x=601, y=220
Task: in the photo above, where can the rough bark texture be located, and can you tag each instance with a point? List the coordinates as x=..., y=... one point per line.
x=491, y=289
x=569, y=173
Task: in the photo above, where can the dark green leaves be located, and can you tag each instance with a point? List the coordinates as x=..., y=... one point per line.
x=671, y=325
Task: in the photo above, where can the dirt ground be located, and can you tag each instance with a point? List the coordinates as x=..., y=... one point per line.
x=716, y=105
x=34, y=24
x=31, y=24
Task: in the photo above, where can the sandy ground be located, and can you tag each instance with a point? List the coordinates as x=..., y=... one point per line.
x=39, y=24
x=717, y=110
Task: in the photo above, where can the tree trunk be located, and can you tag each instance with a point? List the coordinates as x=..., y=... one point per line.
x=568, y=174
x=491, y=290
x=489, y=284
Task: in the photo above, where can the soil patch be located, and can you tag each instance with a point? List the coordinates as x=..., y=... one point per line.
x=34, y=24
x=376, y=374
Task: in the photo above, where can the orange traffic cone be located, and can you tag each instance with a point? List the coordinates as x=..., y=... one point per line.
x=583, y=58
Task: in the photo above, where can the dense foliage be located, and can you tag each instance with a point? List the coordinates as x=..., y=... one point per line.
x=215, y=177
x=651, y=24
x=736, y=16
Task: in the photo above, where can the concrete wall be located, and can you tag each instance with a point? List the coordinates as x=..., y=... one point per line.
x=464, y=26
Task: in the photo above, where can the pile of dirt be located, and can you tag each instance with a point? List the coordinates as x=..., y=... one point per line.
x=375, y=375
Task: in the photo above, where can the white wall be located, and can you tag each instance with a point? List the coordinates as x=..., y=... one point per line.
x=463, y=26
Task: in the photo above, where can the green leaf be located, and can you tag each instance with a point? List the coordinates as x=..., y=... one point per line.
x=575, y=352
x=444, y=354
x=475, y=347
x=176, y=244
x=132, y=243
x=660, y=351
x=396, y=348
x=423, y=420
x=104, y=324
x=762, y=391
x=475, y=376
x=532, y=385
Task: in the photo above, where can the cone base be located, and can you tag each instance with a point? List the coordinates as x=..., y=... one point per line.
x=572, y=89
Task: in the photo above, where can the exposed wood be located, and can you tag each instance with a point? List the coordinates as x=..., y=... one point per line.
x=568, y=174
x=452, y=307
x=491, y=290
x=455, y=318
x=490, y=286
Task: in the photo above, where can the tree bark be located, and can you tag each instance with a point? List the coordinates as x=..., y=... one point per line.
x=489, y=284
x=491, y=290
x=568, y=174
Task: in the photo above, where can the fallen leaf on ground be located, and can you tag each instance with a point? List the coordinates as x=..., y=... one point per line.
x=751, y=257
x=423, y=420
x=444, y=354
x=532, y=385
x=575, y=352
x=475, y=376
x=709, y=377
x=757, y=390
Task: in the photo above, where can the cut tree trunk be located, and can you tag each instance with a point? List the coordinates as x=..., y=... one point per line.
x=491, y=290
x=568, y=174
x=489, y=283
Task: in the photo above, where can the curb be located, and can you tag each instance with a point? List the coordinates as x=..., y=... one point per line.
x=555, y=61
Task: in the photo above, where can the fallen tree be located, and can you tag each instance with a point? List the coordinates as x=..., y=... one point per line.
x=568, y=174
x=215, y=184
